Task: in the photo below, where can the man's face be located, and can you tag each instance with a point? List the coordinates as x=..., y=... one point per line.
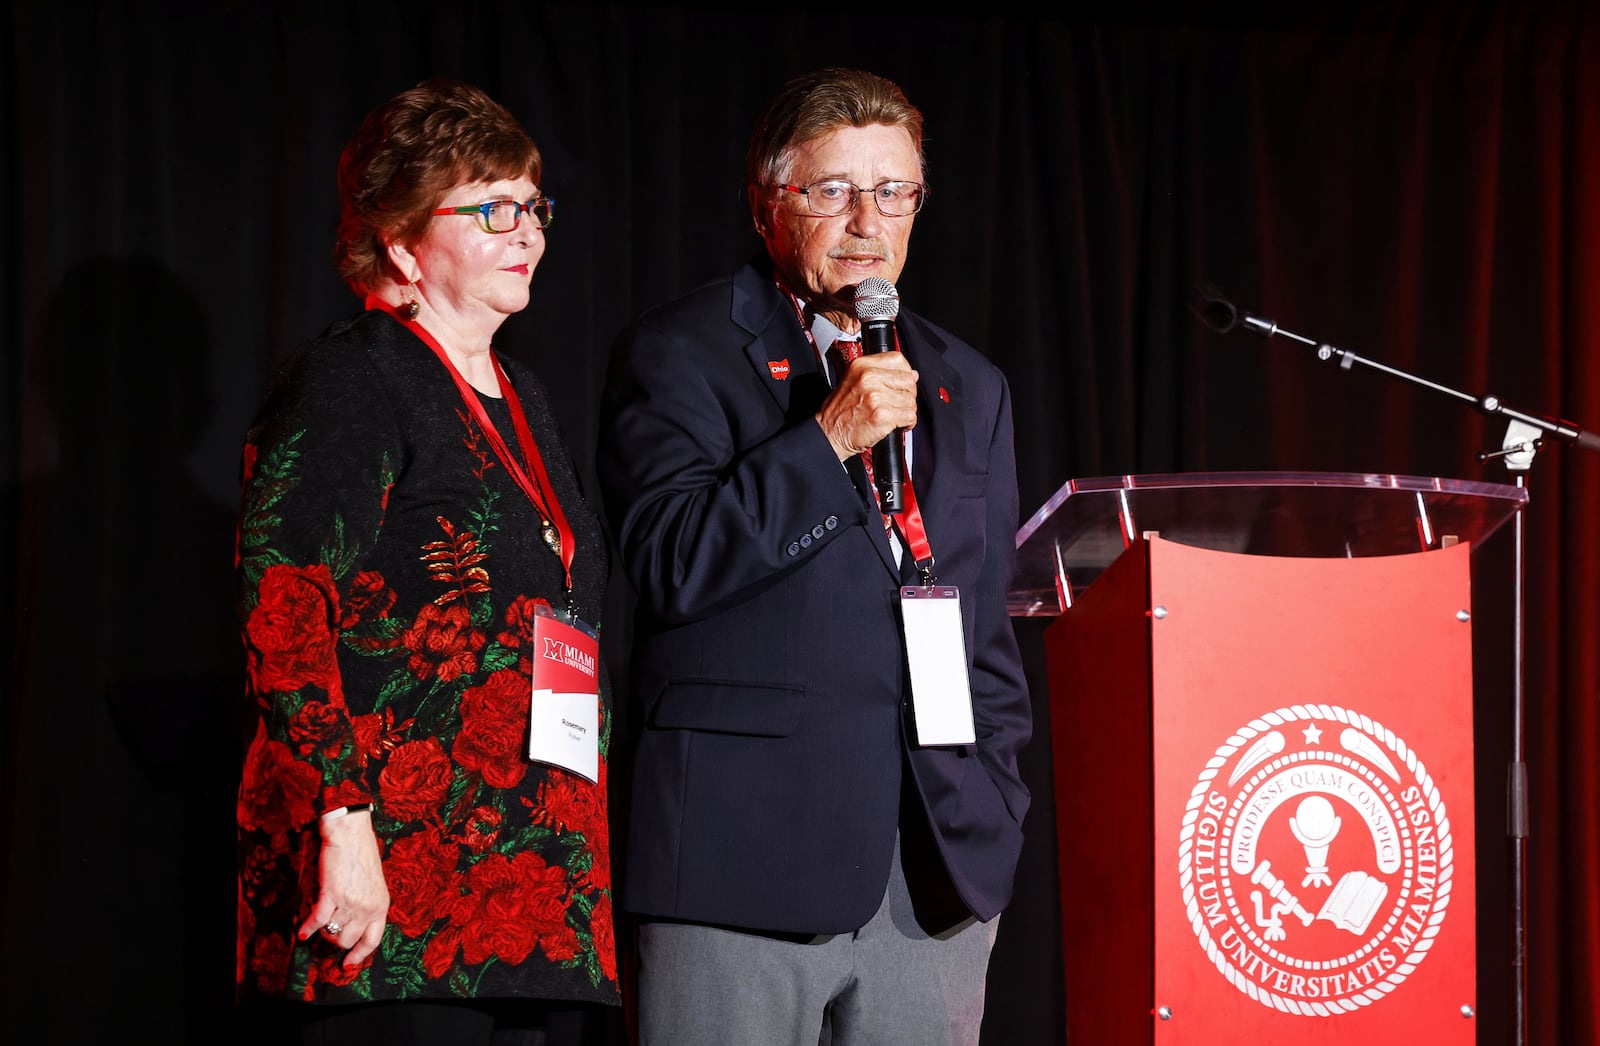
x=823, y=258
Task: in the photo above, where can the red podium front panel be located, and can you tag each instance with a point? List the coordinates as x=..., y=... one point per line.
x=1313, y=788
x=1264, y=768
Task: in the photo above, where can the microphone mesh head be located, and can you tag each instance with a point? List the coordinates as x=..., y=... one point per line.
x=876, y=299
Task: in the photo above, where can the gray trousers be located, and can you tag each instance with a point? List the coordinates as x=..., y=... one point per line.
x=890, y=983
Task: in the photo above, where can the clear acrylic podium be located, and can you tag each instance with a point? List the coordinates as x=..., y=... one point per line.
x=1261, y=730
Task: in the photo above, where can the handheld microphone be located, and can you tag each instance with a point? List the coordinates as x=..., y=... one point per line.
x=877, y=305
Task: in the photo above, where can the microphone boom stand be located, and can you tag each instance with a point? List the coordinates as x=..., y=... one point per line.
x=1521, y=442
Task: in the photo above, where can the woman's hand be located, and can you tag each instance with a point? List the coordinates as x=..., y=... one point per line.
x=353, y=903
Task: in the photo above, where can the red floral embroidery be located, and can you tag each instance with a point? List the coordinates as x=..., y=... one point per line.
x=494, y=720
x=246, y=922
x=369, y=597
x=420, y=873
x=443, y=642
x=513, y=905
x=520, y=616
x=247, y=463
x=248, y=468
x=270, y=962
x=440, y=953
x=605, y=937
x=474, y=444
x=571, y=804
x=277, y=789
x=289, y=636
x=376, y=733
x=330, y=969
x=416, y=780
x=457, y=561
x=483, y=828
x=319, y=727
x=256, y=880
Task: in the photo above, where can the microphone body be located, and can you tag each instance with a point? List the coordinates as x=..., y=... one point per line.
x=877, y=305
x=887, y=466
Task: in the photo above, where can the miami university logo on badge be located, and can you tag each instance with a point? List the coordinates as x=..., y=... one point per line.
x=1315, y=860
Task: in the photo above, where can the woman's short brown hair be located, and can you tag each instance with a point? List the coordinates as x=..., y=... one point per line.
x=406, y=155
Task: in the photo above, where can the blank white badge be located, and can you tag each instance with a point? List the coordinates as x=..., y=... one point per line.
x=936, y=652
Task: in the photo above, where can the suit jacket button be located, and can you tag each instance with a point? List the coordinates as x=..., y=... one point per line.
x=817, y=532
x=793, y=549
x=832, y=522
x=805, y=540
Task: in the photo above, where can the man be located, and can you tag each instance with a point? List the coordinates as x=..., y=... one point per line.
x=805, y=864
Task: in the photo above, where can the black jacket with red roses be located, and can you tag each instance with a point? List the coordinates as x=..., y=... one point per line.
x=388, y=571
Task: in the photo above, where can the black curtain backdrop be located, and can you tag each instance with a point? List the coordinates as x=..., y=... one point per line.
x=1416, y=185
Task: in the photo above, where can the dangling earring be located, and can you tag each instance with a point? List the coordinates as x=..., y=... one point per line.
x=411, y=307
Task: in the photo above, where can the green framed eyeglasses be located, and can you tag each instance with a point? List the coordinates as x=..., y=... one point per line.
x=505, y=215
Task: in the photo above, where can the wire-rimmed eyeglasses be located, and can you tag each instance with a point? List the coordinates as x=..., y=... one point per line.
x=832, y=198
x=506, y=215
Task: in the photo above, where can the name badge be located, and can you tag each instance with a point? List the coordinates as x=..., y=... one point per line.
x=564, y=713
x=936, y=653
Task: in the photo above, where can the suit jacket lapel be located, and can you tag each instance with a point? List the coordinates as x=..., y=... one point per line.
x=779, y=352
x=938, y=456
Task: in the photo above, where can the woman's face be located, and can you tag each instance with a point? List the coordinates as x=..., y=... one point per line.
x=469, y=275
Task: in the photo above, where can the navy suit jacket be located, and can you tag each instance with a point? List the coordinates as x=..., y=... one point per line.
x=768, y=670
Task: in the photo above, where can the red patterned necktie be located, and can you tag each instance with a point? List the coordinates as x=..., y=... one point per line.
x=846, y=351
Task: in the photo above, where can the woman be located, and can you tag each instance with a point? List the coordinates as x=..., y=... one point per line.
x=411, y=527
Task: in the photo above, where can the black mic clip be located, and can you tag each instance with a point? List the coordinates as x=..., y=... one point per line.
x=1213, y=309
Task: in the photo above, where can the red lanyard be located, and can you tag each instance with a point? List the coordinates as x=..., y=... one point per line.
x=537, y=489
x=910, y=523
x=909, y=520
